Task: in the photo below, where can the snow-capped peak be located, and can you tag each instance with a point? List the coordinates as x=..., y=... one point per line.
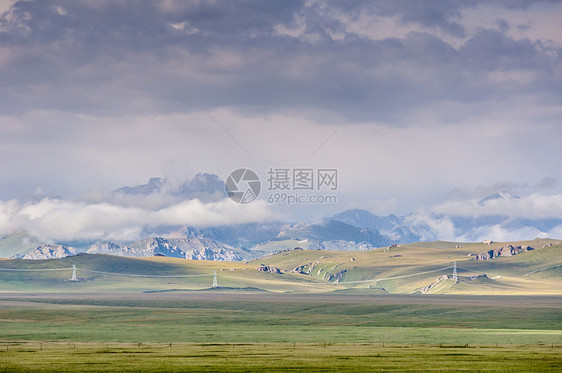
x=500, y=195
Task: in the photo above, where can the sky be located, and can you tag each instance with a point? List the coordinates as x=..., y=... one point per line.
x=417, y=104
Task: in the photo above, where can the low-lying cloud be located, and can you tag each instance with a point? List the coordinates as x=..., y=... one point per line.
x=536, y=205
x=58, y=219
x=500, y=233
x=512, y=218
x=120, y=217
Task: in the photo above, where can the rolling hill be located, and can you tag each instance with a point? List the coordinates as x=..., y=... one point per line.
x=396, y=269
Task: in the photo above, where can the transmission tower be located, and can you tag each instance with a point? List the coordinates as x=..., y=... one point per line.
x=455, y=278
x=73, y=273
x=215, y=280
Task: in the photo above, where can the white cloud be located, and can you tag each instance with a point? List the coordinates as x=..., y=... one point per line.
x=5, y=5
x=533, y=206
x=555, y=232
x=7, y=211
x=60, y=10
x=57, y=219
x=501, y=234
x=442, y=227
x=296, y=30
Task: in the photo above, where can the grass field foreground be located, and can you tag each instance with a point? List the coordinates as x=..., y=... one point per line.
x=91, y=357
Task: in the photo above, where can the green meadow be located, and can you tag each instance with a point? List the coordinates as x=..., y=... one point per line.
x=250, y=330
x=275, y=358
x=122, y=315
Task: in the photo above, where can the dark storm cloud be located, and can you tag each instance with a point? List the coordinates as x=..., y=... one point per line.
x=95, y=58
x=66, y=52
x=83, y=104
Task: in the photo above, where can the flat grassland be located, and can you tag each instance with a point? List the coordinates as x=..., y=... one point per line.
x=318, y=311
x=277, y=358
x=249, y=331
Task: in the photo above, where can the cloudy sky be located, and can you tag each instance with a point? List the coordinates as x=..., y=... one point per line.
x=415, y=103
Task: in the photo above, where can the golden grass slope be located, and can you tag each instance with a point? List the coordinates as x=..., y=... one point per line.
x=401, y=269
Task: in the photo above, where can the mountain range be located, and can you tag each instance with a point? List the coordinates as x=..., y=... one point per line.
x=354, y=229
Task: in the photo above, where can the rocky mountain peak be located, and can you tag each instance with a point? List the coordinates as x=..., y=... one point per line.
x=48, y=251
x=497, y=196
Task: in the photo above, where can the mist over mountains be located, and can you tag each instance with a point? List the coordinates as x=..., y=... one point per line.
x=205, y=187
x=195, y=219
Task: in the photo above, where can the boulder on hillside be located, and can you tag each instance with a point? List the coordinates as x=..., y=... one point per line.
x=269, y=269
x=337, y=277
x=428, y=288
x=508, y=250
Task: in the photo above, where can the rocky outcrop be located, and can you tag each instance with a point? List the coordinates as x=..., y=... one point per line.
x=431, y=287
x=508, y=250
x=300, y=269
x=329, y=274
x=482, y=276
x=337, y=277
x=269, y=269
x=306, y=269
x=50, y=252
x=428, y=288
